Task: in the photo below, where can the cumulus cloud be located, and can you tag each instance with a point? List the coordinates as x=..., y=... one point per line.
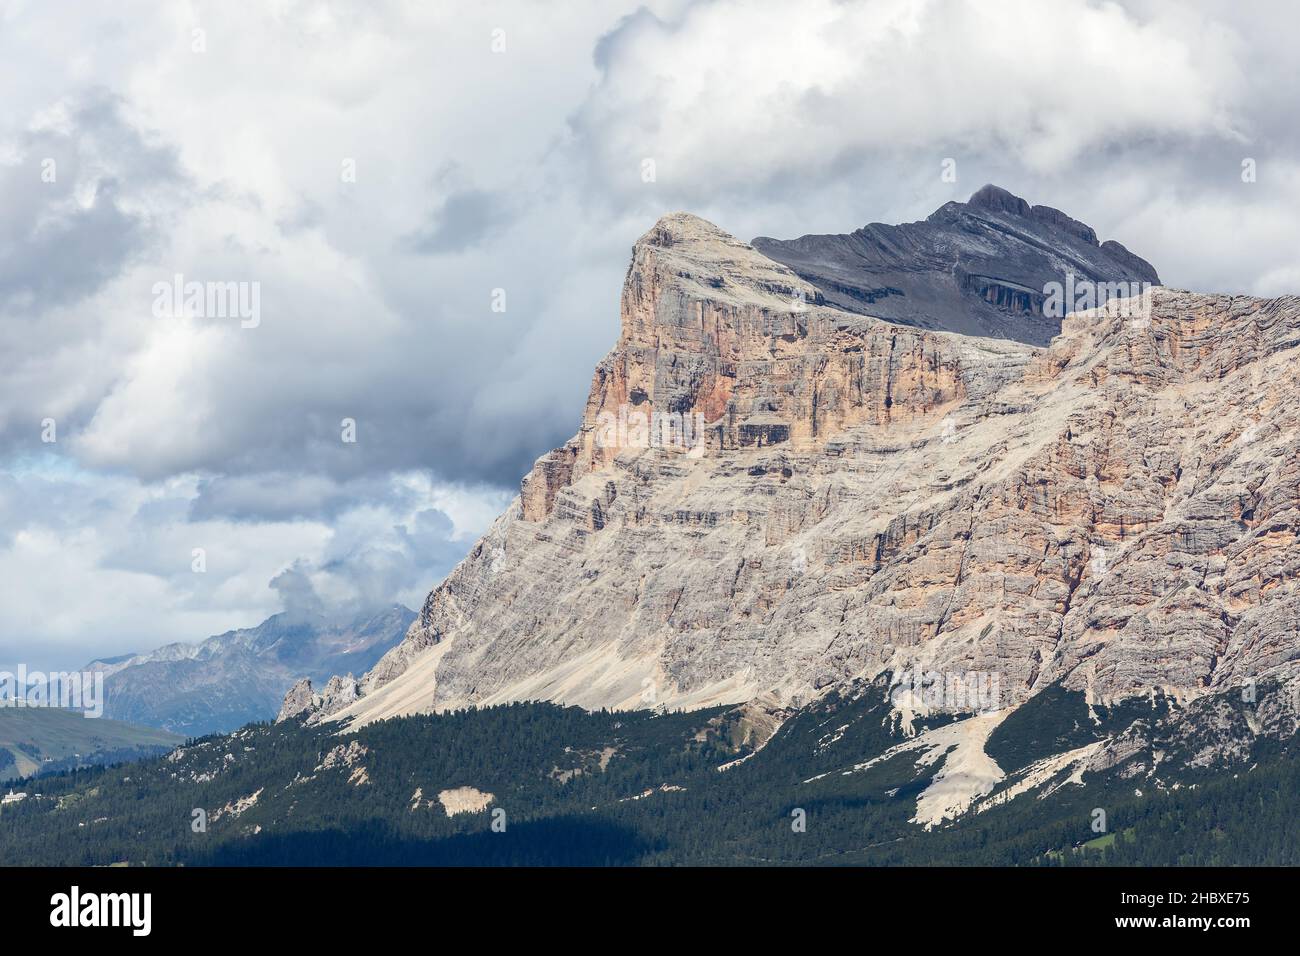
x=100, y=564
x=735, y=95
x=381, y=171
x=324, y=155
x=76, y=209
x=378, y=220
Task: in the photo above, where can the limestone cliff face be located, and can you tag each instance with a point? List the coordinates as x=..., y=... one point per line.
x=716, y=333
x=300, y=699
x=1116, y=512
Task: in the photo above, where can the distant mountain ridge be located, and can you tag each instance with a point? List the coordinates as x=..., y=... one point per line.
x=240, y=676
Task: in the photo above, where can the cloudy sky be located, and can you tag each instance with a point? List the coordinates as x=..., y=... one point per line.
x=381, y=170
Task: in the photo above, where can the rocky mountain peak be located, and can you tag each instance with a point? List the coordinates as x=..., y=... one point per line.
x=996, y=199
x=984, y=267
x=835, y=497
x=300, y=699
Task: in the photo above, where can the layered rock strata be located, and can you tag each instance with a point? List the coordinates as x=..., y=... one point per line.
x=826, y=496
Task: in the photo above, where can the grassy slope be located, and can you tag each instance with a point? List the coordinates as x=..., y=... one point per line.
x=33, y=735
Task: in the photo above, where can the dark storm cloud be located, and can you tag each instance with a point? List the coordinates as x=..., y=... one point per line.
x=465, y=220
x=66, y=229
x=379, y=310
x=66, y=257
x=286, y=496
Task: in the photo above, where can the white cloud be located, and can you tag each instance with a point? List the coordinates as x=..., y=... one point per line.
x=99, y=564
x=520, y=170
x=737, y=95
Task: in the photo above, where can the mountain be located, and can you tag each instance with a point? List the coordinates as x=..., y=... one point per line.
x=41, y=740
x=1114, y=514
x=979, y=267
x=829, y=499
x=240, y=676
x=819, y=587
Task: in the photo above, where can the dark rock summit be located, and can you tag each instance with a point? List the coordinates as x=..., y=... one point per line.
x=978, y=268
